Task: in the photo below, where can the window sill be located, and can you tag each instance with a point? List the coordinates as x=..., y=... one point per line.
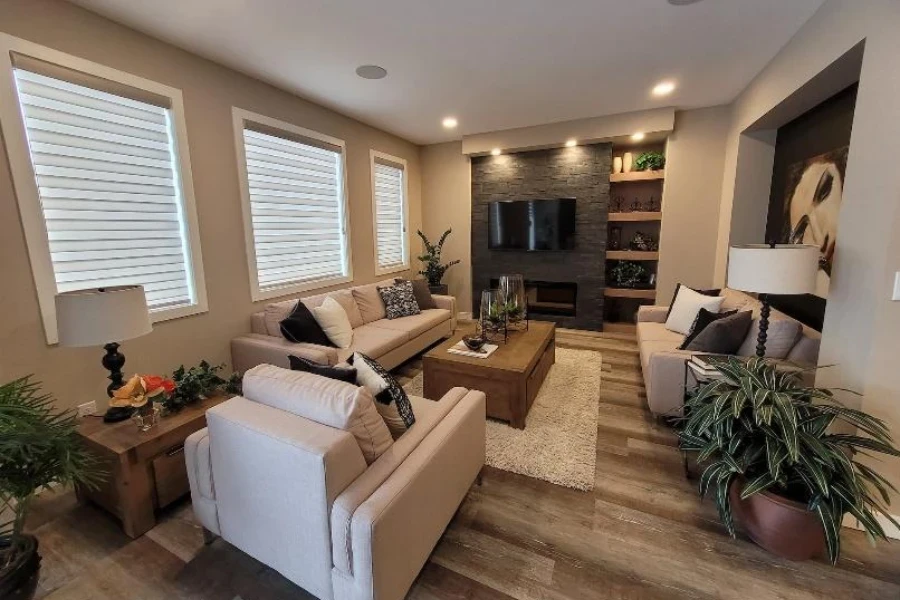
x=257, y=294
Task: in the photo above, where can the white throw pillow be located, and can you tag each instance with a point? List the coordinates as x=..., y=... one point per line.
x=332, y=317
x=686, y=306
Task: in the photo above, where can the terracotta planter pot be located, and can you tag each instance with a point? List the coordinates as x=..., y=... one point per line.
x=781, y=526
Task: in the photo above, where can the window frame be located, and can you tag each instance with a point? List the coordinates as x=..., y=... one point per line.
x=242, y=116
x=26, y=188
x=374, y=157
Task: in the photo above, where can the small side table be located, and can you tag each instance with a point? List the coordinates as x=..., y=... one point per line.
x=146, y=470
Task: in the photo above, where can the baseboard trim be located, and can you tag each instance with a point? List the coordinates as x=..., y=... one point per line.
x=464, y=316
x=889, y=528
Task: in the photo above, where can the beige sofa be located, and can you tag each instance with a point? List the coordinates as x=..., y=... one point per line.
x=663, y=364
x=390, y=342
x=298, y=495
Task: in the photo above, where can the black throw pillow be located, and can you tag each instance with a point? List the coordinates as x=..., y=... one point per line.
x=301, y=327
x=714, y=292
x=308, y=366
x=723, y=336
x=421, y=293
x=704, y=318
x=399, y=300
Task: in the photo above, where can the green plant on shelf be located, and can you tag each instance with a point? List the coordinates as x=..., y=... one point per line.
x=650, y=161
x=628, y=274
x=198, y=382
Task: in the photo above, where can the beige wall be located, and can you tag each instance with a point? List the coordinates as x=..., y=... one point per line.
x=695, y=158
x=862, y=324
x=74, y=375
x=447, y=203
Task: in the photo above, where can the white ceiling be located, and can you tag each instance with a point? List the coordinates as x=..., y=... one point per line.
x=494, y=64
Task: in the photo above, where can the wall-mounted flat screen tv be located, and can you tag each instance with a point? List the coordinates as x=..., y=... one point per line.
x=532, y=225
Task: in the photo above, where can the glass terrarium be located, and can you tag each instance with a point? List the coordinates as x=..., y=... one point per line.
x=492, y=321
x=512, y=288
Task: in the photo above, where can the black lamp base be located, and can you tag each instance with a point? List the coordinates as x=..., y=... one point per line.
x=763, y=326
x=113, y=361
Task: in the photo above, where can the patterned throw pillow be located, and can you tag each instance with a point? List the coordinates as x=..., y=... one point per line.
x=391, y=401
x=399, y=300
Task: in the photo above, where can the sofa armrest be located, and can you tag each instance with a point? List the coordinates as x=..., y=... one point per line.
x=199, y=469
x=448, y=303
x=395, y=529
x=652, y=314
x=248, y=351
x=664, y=378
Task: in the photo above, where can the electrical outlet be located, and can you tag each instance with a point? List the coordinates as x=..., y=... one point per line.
x=88, y=408
x=896, y=295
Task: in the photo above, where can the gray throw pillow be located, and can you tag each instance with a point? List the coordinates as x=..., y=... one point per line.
x=723, y=336
x=399, y=300
x=422, y=293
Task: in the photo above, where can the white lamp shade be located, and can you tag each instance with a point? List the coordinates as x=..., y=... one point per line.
x=102, y=315
x=785, y=269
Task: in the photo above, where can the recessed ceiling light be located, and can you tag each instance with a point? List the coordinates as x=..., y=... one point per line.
x=449, y=122
x=637, y=137
x=663, y=88
x=495, y=152
x=571, y=143
x=371, y=72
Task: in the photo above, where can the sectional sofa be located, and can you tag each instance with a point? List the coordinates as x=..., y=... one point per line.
x=390, y=341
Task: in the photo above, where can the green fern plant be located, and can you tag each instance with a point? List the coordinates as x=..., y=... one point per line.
x=652, y=161
x=763, y=425
x=39, y=447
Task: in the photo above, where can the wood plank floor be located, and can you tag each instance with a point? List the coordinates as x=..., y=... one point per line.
x=641, y=534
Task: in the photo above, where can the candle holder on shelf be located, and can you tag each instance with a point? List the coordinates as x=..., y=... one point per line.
x=512, y=287
x=492, y=323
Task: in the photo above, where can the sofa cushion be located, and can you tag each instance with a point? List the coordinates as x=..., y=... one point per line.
x=338, y=372
x=374, y=341
x=335, y=323
x=735, y=300
x=369, y=301
x=652, y=331
x=686, y=306
x=428, y=415
x=703, y=320
x=391, y=400
x=422, y=293
x=275, y=313
x=722, y=336
x=415, y=325
x=301, y=327
x=781, y=336
x=399, y=300
x=344, y=298
x=326, y=401
x=651, y=347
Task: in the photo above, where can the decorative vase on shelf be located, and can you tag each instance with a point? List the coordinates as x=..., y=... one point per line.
x=492, y=321
x=617, y=164
x=512, y=287
x=627, y=162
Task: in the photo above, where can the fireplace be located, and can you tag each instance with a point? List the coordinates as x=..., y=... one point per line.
x=549, y=297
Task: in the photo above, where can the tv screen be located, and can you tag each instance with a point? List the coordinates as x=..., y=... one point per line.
x=532, y=225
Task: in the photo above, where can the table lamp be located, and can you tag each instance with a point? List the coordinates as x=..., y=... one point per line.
x=104, y=316
x=783, y=269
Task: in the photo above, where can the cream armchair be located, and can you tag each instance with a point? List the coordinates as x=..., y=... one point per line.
x=300, y=497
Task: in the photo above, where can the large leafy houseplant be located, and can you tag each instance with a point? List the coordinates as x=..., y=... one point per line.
x=432, y=269
x=760, y=426
x=39, y=447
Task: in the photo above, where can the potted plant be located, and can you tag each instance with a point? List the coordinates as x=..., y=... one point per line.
x=628, y=274
x=433, y=271
x=774, y=460
x=39, y=447
x=650, y=161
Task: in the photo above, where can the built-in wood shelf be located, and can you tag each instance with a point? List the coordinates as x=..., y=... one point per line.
x=637, y=176
x=631, y=255
x=635, y=216
x=629, y=293
x=619, y=327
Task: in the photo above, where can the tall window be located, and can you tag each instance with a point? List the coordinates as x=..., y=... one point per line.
x=295, y=209
x=389, y=207
x=105, y=202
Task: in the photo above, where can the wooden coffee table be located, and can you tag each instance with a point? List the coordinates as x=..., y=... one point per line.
x=510, y=377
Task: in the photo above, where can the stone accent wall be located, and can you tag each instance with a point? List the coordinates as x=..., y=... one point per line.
x=581, y=172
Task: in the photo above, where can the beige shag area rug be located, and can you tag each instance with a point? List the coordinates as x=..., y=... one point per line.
x=559, y=442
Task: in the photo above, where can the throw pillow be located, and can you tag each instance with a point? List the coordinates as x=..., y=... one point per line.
x=399, y=300
x=391, y=400
x=711, y=292
x=686, y=307
x=422, y=293
x=704, y=318
x=723, y=336
x=301, y=327
x=308, y=366
x=334, y=322
x=781, y=336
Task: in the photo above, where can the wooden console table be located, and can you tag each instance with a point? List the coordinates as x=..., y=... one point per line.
x=510, y=377
x=146, y=470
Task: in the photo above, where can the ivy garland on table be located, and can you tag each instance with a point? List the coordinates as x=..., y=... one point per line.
x=197, y=382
